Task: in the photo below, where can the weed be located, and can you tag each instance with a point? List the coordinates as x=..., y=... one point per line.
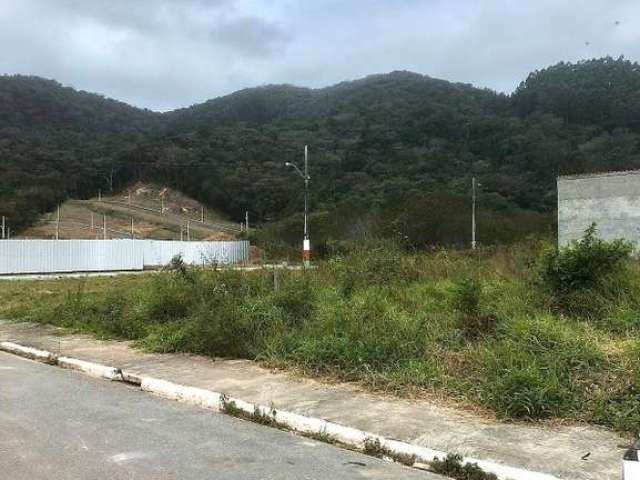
x=374, y=448
x=257, y=416
x=321, y=436
x=452, y=467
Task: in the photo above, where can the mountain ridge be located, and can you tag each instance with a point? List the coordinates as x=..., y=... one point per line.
x=377, y=143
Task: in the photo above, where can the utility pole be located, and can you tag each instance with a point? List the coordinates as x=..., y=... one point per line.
x=104, y=227
x=473, y=213
x=246, y=221
x=58, y=223
x=306, y=243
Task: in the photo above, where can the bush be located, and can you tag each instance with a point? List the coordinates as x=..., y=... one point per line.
x=474, y=321
x=371, y=264
x=584, y=275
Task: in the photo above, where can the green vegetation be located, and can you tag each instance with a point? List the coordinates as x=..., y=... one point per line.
x=452, y=467
x=481, y=327
x=391, y=155
x=587, y=276
x=257, y=416
x=375, y=449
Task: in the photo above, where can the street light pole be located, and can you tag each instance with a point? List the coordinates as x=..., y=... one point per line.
x=306, y=193
x=473, y=213
x=306, y=243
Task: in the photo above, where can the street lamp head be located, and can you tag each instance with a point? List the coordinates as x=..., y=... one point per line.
x=287, y=164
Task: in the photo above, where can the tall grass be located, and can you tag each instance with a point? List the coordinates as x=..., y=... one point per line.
x=474, y=325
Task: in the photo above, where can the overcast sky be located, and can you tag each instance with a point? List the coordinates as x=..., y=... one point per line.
x=164, y=54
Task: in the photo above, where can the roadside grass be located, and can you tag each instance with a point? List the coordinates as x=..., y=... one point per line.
x=474, y=326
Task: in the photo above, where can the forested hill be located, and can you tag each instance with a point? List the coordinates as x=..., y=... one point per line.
x=398, y=100
x=391, y=155
x=32, y=104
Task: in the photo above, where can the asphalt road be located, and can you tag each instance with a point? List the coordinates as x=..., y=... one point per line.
x=58, y=424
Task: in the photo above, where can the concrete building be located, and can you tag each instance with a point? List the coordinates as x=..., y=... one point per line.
x=611, y=200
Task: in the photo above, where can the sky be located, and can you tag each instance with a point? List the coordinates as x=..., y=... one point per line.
x=166, y=54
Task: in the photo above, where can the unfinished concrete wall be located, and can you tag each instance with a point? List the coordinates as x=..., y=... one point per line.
x=611, y=200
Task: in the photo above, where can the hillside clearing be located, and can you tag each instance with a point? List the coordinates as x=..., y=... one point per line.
x=157, y=213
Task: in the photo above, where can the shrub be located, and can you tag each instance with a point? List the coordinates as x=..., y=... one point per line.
x=178, y=267
x=467, y=300
x=371, y=264
x=584, y=275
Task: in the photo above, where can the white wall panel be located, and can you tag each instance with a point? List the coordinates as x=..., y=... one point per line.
x=56, y=256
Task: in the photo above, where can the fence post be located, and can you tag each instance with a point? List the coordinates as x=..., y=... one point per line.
x=275, y=279
x=58, y=223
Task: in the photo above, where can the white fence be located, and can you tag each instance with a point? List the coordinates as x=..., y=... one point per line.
x=58, y=256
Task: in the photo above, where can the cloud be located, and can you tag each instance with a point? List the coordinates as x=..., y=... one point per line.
x=164, y=54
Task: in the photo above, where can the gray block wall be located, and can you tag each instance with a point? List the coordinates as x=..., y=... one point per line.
x=611, y=200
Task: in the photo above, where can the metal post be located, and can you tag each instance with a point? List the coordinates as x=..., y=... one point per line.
x=162, y=205
x=473, y=213
x=58, y=224
x=132, y=236
x=246, y=221
x=181, y=232
x=202, y=214
x=306, y=244
x=188, y=230
x=92, y=227
x=104, y=227
x=99, y=195
x=3, y=227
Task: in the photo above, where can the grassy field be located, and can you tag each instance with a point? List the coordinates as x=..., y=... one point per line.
x=479, y=328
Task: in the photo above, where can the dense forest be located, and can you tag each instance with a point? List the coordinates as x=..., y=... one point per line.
x=390, y=155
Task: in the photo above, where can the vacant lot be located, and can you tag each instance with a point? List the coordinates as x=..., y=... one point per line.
x=478, y=328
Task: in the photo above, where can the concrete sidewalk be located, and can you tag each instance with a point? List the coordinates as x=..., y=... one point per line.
x=554, y=450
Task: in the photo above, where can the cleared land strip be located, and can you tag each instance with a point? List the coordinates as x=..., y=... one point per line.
x=165, y=217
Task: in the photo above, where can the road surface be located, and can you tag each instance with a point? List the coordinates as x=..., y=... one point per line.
x=58, y=424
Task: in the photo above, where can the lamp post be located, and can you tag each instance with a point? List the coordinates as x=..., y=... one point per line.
x=306, y=243
x=474, y=185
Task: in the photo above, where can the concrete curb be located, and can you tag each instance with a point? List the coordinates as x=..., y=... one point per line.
x=92, y=369
x=631, y=463
x=199, y=397
x=28, y=352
